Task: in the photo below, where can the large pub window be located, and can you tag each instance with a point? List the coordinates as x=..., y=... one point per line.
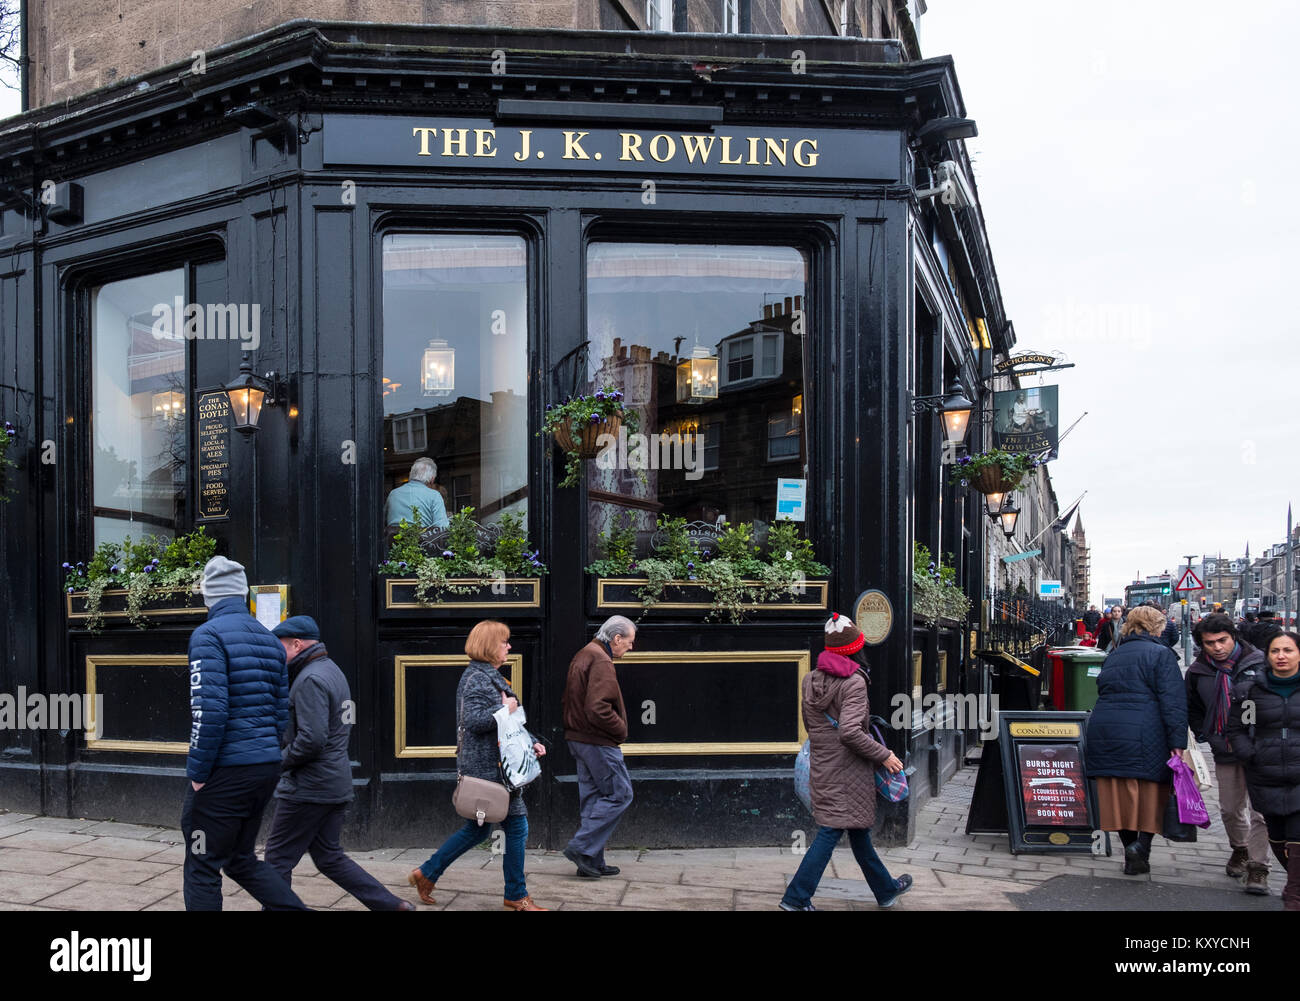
x=657, y=311
x=455, y=367
x=139, y=393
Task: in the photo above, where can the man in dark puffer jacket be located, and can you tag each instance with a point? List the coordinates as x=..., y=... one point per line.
x=239, y=707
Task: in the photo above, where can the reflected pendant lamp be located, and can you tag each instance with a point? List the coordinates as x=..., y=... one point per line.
x=438, y=369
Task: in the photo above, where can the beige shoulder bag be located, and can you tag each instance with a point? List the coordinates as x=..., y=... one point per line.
x=477, y=799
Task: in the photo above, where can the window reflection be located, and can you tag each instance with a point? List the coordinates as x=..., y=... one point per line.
x=455, y=369
x=661, y=318
x=139, y=391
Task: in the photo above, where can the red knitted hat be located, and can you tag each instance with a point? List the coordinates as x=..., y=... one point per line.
x=843, y=635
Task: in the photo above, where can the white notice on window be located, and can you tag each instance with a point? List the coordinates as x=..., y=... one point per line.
x=268, y=608
x=790, y=497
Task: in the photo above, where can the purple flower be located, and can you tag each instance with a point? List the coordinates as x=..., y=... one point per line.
x=600, y=395
x=67, y=566
x=631, y=566
x=402, y=565
x=690, y=566
x=71, y=589
x=114, y=568
x=447, y=554
x=964, y=460
x=595, y=418
x=691, y=577
x=148, y=568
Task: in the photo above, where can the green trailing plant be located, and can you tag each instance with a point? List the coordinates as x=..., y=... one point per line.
x=935, y=592
x=578, y=413
x=148, y=570
x=1014, y=465
x=736, y=575
x=461, y=567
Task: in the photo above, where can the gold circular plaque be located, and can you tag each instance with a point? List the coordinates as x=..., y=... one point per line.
x=1057, y=838
x=874, y=615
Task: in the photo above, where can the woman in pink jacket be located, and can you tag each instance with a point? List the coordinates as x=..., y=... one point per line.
x=842, y=770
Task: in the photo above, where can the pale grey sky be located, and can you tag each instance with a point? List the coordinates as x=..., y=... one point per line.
x=1134, y=167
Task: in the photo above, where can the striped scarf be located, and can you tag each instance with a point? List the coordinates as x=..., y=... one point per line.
x=1223, y=688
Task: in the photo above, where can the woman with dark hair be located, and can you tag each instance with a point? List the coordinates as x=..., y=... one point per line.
x=1138, y=724
x=1264, y=734
x=481, y=692
x=842, y=777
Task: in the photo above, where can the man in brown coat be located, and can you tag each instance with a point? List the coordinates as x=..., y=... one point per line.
x=595, y=723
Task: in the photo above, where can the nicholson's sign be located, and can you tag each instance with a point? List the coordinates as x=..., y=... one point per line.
x=461, y=143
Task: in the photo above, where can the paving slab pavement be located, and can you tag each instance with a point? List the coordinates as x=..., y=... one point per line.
x=85, y=864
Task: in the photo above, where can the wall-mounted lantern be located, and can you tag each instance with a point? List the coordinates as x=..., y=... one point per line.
x=953, y=408
x=1008, y=516
x=248, y=393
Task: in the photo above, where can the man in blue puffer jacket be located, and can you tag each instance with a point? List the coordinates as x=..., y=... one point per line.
x=239, y=707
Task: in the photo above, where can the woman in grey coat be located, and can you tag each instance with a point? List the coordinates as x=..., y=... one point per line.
x=481, y=692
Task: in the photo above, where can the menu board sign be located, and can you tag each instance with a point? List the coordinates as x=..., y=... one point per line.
x=1032, y=785
x=214, y=456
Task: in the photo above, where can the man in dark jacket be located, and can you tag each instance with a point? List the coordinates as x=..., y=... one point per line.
x=1172, y=633
x=1092, y=619
x=239, y=706
x=316, y=785
x=1222, y=661
x=595, y=723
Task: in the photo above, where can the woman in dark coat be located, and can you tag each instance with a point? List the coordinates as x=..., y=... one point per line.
x=1139, y=722
x=842, y=778
x=481, y=692
x=1269, y=748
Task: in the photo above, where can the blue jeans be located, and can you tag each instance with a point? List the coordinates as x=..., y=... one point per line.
x=801, y=889
x=516, y=829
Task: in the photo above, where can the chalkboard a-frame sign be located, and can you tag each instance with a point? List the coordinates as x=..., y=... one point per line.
x=1048, y=805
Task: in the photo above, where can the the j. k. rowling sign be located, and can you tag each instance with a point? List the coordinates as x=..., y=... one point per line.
x=460, y=143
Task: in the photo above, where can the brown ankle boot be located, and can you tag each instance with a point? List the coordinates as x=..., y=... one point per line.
x=1236, y=867
x=1257, y=878
x=423, y=887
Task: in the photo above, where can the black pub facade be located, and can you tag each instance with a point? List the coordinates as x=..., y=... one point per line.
x=421, y=238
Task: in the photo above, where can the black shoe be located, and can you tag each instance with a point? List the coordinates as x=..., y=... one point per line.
x=609, y=870
x=904, y=884
x=1135, y=861
x=583, y=863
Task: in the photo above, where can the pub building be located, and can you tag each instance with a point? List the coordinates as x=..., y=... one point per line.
x=413, y=255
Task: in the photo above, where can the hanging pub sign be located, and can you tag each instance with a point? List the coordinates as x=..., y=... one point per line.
x=213, y=416
x=1032, y=785
x=472, y=144
x=1026, y=420
x=1030, y=362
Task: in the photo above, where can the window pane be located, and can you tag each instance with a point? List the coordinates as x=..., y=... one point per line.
x=653, y=308
x=139, y=394
x=771, y=363
x=455, y=371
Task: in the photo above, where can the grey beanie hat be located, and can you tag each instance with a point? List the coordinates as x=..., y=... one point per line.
x=223, y=578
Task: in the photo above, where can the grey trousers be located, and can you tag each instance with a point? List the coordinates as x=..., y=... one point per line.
x=604, y=793
x=1244, y=824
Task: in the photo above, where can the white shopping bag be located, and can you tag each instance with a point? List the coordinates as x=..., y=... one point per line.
x=519, y=764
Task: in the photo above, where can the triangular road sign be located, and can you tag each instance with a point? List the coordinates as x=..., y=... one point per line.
x=1189, y=582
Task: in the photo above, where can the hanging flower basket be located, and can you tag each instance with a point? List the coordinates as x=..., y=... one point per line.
x=996, y=480
x=584, y=446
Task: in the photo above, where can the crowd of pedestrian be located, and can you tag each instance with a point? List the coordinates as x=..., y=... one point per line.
x=1235, y=696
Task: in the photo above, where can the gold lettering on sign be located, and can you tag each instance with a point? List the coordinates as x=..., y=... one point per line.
x=456, y=138
x=806, y=159
x=726, y=152
x=753, y=150
x=631, y=146
x=424, y=134
x=525, y=137
x=780, y=151
x=654, y=145
x=696, y=145
x=572, y=149
x=483, y=139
